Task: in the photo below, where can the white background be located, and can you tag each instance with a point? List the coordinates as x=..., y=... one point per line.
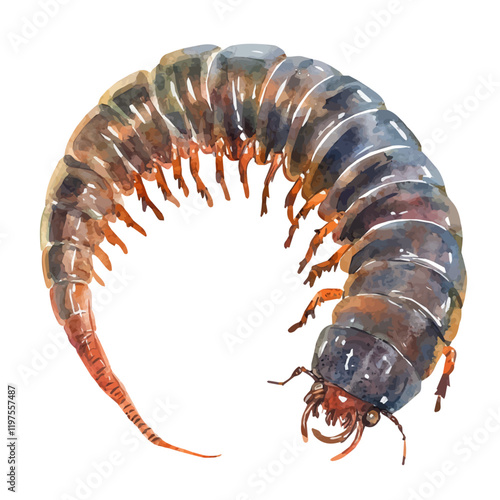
x=173, y=302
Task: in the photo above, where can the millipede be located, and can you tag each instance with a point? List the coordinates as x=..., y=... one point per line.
x=355, y=162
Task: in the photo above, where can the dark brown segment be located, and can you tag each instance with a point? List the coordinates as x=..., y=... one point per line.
x=401, y=323
x=396, y=201
x=131, y=98
x=101, y=141
x=328, y=105
x=293, y=78
x=73, y=226
x=422, y=242
x=236, y=80
x=393, y=165
x=68, y=262
x=425, y=286
x=75, y=186
x=180, y=82
x=350, y=142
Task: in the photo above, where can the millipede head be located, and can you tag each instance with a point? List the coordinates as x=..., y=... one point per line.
x=350, y=412
x=340, y=407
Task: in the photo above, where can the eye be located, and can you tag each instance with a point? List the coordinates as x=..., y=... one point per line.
x=371, y=417
x=317, y=386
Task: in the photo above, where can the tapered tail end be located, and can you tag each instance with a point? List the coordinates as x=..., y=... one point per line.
x=164, y=444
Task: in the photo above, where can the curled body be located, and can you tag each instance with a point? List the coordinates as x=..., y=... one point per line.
x=345, y=154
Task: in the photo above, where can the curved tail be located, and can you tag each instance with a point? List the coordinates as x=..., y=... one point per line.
x=71, y=303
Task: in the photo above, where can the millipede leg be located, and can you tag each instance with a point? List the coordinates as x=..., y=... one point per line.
x=318, y=240
x=322, y=296
x=291, y=197
x=444, y=383
x=246, y=156
x=123, y=215
x=326, y=266
x=289, y=202
x=177, y=167
x=97, y=278
x=103, y=257
x=162, y=184
x=291, y=232
x=275, y=165
x=303, y=213
x=311, y=204
x=143, y=196
x=194, y=165
x=219, y=168
x=112, y=237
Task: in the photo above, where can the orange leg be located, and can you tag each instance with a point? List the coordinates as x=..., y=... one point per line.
x=291, y=232
x=275, y=165
x=113, y=238
x=177, y=167
x=326, y=266
x=303, y=213
x=194, y=165
x=123, y=215
x=291, y=197
x=311, y=204
x=162, y=184
x=98, y=278
x=444, y=383
x=322, y=296
x=219, y=168
x=103, y=257
x=318, y=240
x=246, y=156
x=143, y=196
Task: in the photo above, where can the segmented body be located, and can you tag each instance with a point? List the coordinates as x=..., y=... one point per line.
x=346, y=154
